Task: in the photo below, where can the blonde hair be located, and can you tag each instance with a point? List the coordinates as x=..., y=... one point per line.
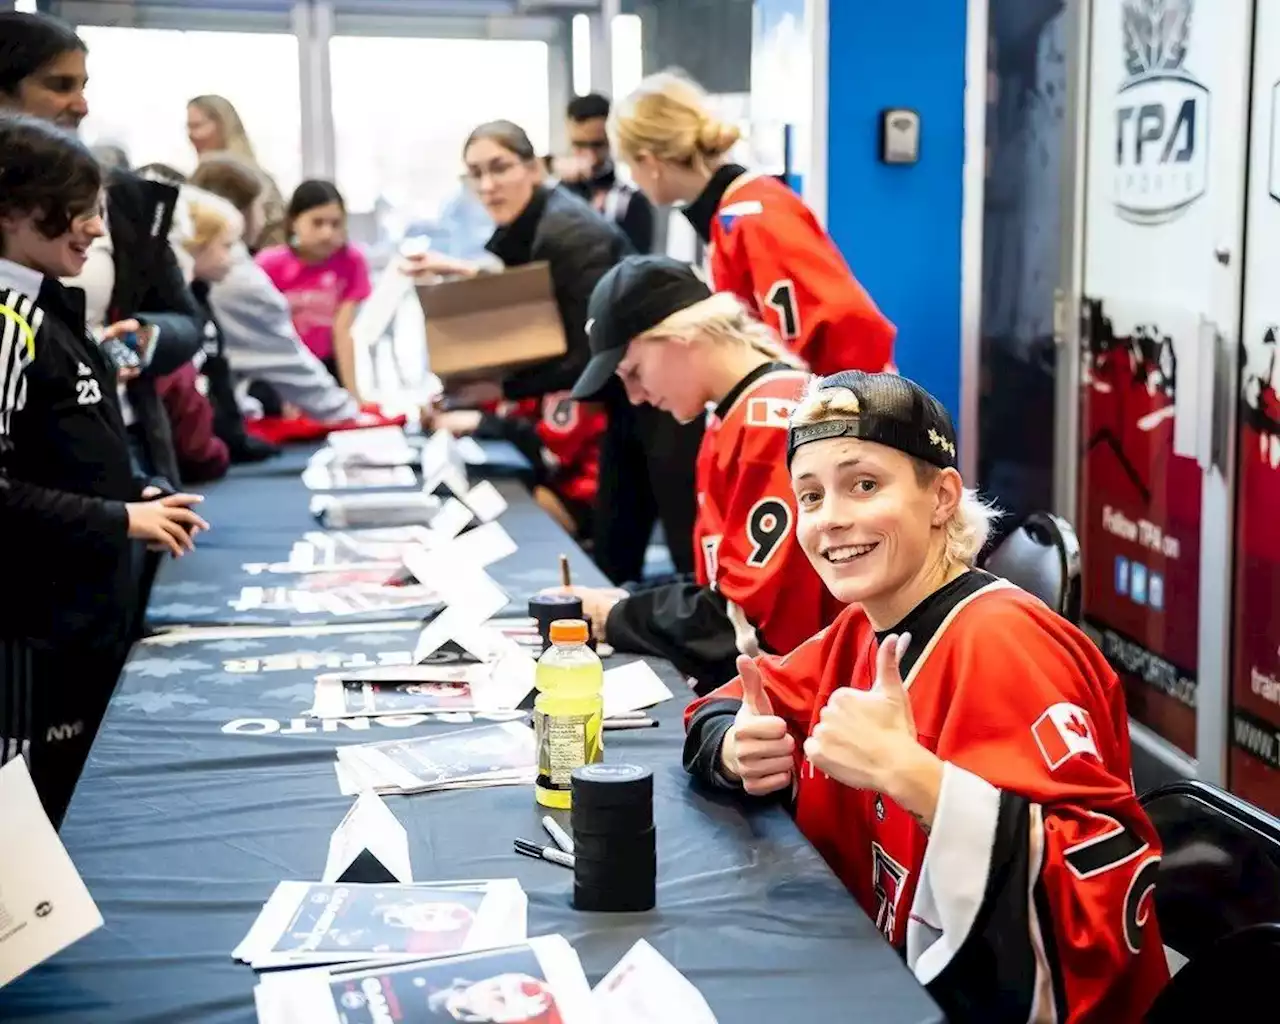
x=669, y=116
x=723, y=319
x=208, y=222
x=969, y=526
x=220, y=111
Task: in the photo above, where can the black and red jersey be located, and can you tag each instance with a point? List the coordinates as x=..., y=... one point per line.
x=767, y=247
x=1032, y=891
x=753, y=589
x=559, y=435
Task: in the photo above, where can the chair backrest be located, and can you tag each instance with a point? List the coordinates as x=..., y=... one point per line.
x=1230, y=981
x=1221, y=866
x=1042, y=556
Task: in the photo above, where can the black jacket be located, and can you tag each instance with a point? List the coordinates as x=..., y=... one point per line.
x=65, y=473
x=149, y=286
x=580, y=247
x=623, y=204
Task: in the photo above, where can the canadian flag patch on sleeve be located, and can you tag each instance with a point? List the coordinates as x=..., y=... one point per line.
x=1062, y=732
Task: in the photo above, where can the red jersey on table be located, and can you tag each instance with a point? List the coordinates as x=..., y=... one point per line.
x=745, y=527
x=769, y=250
x=569, y=433
x=1033, y=889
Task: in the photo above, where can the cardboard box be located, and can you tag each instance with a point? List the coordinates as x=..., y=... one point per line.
x=488, y=325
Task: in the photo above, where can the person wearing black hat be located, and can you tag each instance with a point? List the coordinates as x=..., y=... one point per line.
x=956, y=751
x=680, y=348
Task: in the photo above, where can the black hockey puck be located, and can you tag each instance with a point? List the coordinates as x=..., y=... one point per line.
x=614, y=845
x=597, y=786
x=547, y=608
x=632, y=899
x=607, y=821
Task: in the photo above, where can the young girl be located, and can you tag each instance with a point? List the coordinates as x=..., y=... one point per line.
x=957, y=752
x=323, y=276
x=679, y=347
x=766, y=246
x=70, y=501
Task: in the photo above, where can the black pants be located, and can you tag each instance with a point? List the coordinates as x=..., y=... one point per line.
x=51, y=704
x=647, y=475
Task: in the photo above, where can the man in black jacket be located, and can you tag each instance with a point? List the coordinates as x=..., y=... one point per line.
x=591, y=172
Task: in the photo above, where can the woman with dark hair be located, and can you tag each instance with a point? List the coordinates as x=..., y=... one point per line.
x=131, y=271
x=640, y=464
x=324, y=276
x=68, y=489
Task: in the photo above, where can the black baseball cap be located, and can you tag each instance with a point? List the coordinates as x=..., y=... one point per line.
x=892, y=411
x=634, y=296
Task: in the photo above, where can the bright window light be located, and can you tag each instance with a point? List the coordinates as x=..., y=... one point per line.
x=581, y=54
x=626, y=53
x=26, y=7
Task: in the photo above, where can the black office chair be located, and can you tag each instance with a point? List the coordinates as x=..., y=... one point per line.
x=1217, y=901
x=1042, y=556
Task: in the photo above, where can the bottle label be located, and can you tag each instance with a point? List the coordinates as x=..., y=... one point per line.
x=565, y=742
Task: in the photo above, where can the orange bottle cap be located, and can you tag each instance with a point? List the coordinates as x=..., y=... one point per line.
x=569, y=631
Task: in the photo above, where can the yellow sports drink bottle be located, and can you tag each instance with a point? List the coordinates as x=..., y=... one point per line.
x=568, y=713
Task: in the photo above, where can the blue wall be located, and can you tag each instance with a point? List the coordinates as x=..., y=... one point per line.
x=899, y=226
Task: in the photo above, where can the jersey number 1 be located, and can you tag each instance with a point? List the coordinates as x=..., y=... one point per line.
x=782, y=297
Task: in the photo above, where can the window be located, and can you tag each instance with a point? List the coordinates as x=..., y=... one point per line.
x=402, y=109
x=140, y=80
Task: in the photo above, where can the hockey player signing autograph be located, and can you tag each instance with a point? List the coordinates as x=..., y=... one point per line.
x=956, y=751
x=674, y=344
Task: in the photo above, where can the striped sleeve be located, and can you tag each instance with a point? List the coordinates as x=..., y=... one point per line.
x=19, y=322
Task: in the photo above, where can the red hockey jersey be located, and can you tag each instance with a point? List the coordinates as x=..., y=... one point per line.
x=769, y=250
x=745, y=526
x=1032, y=892
x=569, y=433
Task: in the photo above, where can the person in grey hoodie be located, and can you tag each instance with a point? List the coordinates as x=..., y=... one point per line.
x=256, y=323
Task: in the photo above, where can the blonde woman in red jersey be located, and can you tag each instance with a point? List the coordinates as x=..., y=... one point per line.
x=656, y=325
x=766, y=245
x=956, y=751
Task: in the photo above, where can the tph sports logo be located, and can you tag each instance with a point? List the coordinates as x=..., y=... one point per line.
x=1162, y=116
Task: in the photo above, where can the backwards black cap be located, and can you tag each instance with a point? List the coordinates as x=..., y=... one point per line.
x=892, y=411
x=634, y=296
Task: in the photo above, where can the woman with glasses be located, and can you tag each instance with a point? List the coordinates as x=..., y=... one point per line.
x=532, y=407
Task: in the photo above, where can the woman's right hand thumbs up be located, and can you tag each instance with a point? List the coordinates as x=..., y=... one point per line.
x=758, y=749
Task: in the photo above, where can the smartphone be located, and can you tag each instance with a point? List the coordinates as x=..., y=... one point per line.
x=122, y=355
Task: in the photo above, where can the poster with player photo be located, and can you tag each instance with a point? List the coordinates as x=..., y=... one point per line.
x=491, y=754
x=1139, y=520
x=406, y=698
x=316, y=923
x=537, y=983
x=1254, y=730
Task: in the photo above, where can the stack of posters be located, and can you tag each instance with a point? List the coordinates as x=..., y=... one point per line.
x=488, y=755
x=536, y=982
x=425, y=689
x=313, y=923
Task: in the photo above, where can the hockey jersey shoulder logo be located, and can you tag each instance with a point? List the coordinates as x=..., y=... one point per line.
x=731, y=213
x=770, y=412
x=1062, y=732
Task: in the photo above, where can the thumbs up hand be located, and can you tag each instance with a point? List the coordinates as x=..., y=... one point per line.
x=758, y=749
x=863, y=737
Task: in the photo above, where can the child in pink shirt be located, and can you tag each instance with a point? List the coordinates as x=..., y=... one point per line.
x=323, y=276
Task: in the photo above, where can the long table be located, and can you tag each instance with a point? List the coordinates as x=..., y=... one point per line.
x=208, y=785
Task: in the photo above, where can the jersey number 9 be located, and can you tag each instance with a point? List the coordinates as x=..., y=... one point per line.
x=768, y=524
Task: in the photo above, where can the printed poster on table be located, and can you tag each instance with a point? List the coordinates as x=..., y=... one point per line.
x=1162, y=83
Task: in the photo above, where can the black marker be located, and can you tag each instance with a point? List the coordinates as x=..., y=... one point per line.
x=528, y=849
